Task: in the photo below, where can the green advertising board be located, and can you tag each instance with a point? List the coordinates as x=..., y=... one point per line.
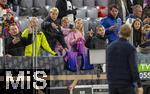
x=144, y=66
x=144, y=71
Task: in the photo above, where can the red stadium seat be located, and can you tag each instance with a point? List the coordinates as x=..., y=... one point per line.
x=102, y=11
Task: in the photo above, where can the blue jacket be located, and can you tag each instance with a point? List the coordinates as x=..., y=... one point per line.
x=121, y=64
x=108, y=22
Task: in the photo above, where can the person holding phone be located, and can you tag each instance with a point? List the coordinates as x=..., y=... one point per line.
x=15, y=44
x=112, y=23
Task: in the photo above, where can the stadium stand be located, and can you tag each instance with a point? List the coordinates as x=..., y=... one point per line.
x=25, y=7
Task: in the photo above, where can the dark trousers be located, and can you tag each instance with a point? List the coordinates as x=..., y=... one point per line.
x=127, y=90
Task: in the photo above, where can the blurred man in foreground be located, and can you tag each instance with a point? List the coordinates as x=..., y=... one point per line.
x=121, y=65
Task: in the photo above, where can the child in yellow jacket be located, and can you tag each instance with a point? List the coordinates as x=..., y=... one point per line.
x=39, y=41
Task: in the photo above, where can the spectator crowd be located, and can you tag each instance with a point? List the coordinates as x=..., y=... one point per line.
x=62, y=33
x=69, y=28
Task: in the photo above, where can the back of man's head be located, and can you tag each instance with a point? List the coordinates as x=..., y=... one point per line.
x=125, y=31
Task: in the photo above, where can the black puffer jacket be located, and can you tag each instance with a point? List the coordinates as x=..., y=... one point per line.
x=53, y=35
x=18, y=48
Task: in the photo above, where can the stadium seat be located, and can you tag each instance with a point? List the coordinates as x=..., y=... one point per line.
x=48, y=5
x=23, y=24
x=25, y=7
x=81, y=13
x=77, y=3
x=89, y=3
x=86, y=22
x=92, y=13
x=102, y=2
x=49, y=2
x=40, y=22
x=93, y=23
x=53, y=3
x=90, y=23
x=102, y=11
x=39, y=7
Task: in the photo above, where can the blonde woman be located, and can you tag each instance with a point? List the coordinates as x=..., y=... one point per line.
x=79, y=25
x=76, y=47
x=75, y=34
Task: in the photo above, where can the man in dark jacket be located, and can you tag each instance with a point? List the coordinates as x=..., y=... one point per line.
x=52, y=29
x=15, y=44
x=121, y=67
